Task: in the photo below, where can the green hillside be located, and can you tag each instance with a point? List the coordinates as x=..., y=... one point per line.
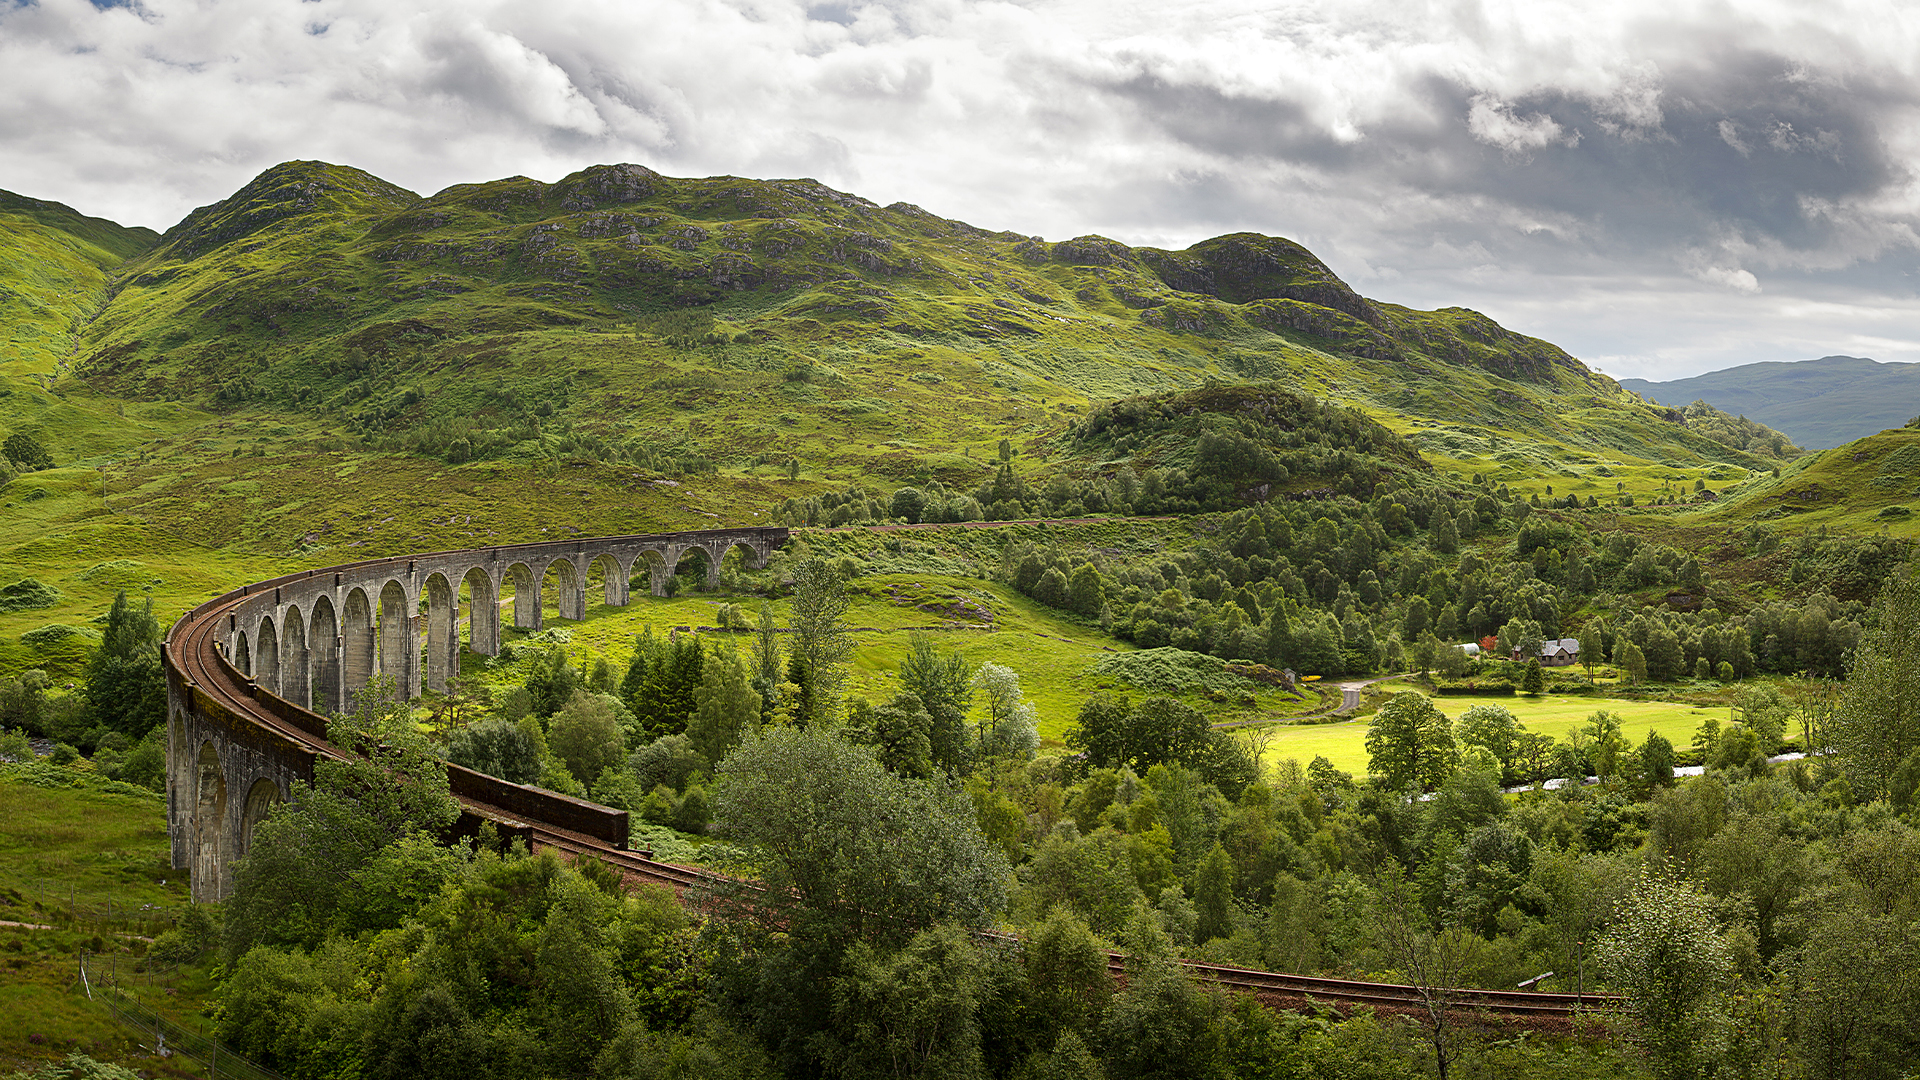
x=55, y=271
x=1870, y=484
x=622, y=318
x=326, y=366
x=1820, y=403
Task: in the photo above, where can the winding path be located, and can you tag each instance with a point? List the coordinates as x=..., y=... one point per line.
x=1350, y=695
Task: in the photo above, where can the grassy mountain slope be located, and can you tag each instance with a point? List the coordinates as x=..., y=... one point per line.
x=326, y=366
x=1820, y=403
x=1868, y=484
x=55, y=266
x=741, y=323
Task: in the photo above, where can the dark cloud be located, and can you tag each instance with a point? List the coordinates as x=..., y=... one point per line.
x=1751, y=152
x=1660, y=187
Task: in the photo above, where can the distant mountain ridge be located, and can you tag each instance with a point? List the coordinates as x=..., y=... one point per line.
x=741, y=330
x=1820, y=403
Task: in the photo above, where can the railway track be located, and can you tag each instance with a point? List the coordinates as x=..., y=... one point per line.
x=1399, y=997
x=192, y=645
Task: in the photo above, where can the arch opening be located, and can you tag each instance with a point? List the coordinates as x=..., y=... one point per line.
x=262, y=797
x=242, y=654
x=266, y=655
x=356, y=644
x=693, y=571
x=561, y=595
x=483, y=611
x=323, y=645
x=209, y=819
x=649, y=573
x=399, y=651
x=295, y=674
x=606, y=580
x=519, y=583
x=443, y=632
x=742, y=566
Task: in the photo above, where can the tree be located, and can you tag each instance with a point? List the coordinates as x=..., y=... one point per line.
x=1162, y=730
x=845, y=849
x=1066, y=969
x=586, y=735
x=1008, y=728
x=914, y=1012
x=552, y=681
x=662, y=680
x=766, y=647
x=897, y=731
x=498, y=748
x=1433, y=961
x=1673, y=966
x=908, y=503
x=1664, y=655
x=1533, y=680
x=1631, y=660
x=726, y=707
x=1410, y=743
x=1419, y=619
x=1213, y=896
x=1492, y=728
x=1656, y=760
x=126, y=683
x=356, y=847
x=821, y=642
x=1091, y=876
x=1575, y=892
x=1878, y=722
x=1086, y=592
x=1606, y=742
x=944, y=685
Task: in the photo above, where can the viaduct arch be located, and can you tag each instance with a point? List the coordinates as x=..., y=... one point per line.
x=251, y=674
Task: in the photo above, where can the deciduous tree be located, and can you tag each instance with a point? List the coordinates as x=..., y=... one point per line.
x=1878, y=723
x=1410, y=744
x=862, y=853
x=820, y=641
x=1672, y=962
x=586, y=735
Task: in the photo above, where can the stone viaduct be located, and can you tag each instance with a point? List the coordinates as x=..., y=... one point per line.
x=251, y=674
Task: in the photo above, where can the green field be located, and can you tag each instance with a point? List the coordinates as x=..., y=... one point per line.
x=1344, y=744
x=88, y=859
x=1049, y=651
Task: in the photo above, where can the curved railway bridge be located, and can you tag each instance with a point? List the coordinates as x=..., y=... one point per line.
x=250, y=673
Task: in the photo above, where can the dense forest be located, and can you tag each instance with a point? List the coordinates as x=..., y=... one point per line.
x=907, y=887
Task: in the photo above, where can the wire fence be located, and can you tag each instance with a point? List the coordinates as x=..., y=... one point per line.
x=61, y=905
x=165, y=1037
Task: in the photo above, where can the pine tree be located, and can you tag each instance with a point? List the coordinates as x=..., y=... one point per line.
x=126, y=683
x=1532, y=679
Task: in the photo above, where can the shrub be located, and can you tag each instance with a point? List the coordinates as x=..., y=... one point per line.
x=27, y=594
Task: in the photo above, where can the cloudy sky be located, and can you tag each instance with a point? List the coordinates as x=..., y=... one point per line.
x=1663, y=187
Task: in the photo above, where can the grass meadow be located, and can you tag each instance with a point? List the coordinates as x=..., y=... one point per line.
x=1345, y=743
x=85, y=864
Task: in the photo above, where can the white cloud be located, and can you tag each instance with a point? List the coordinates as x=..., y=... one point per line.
x=1682, y=144
x=1730, y=134
x=1732, y=277
x=1494, y=122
